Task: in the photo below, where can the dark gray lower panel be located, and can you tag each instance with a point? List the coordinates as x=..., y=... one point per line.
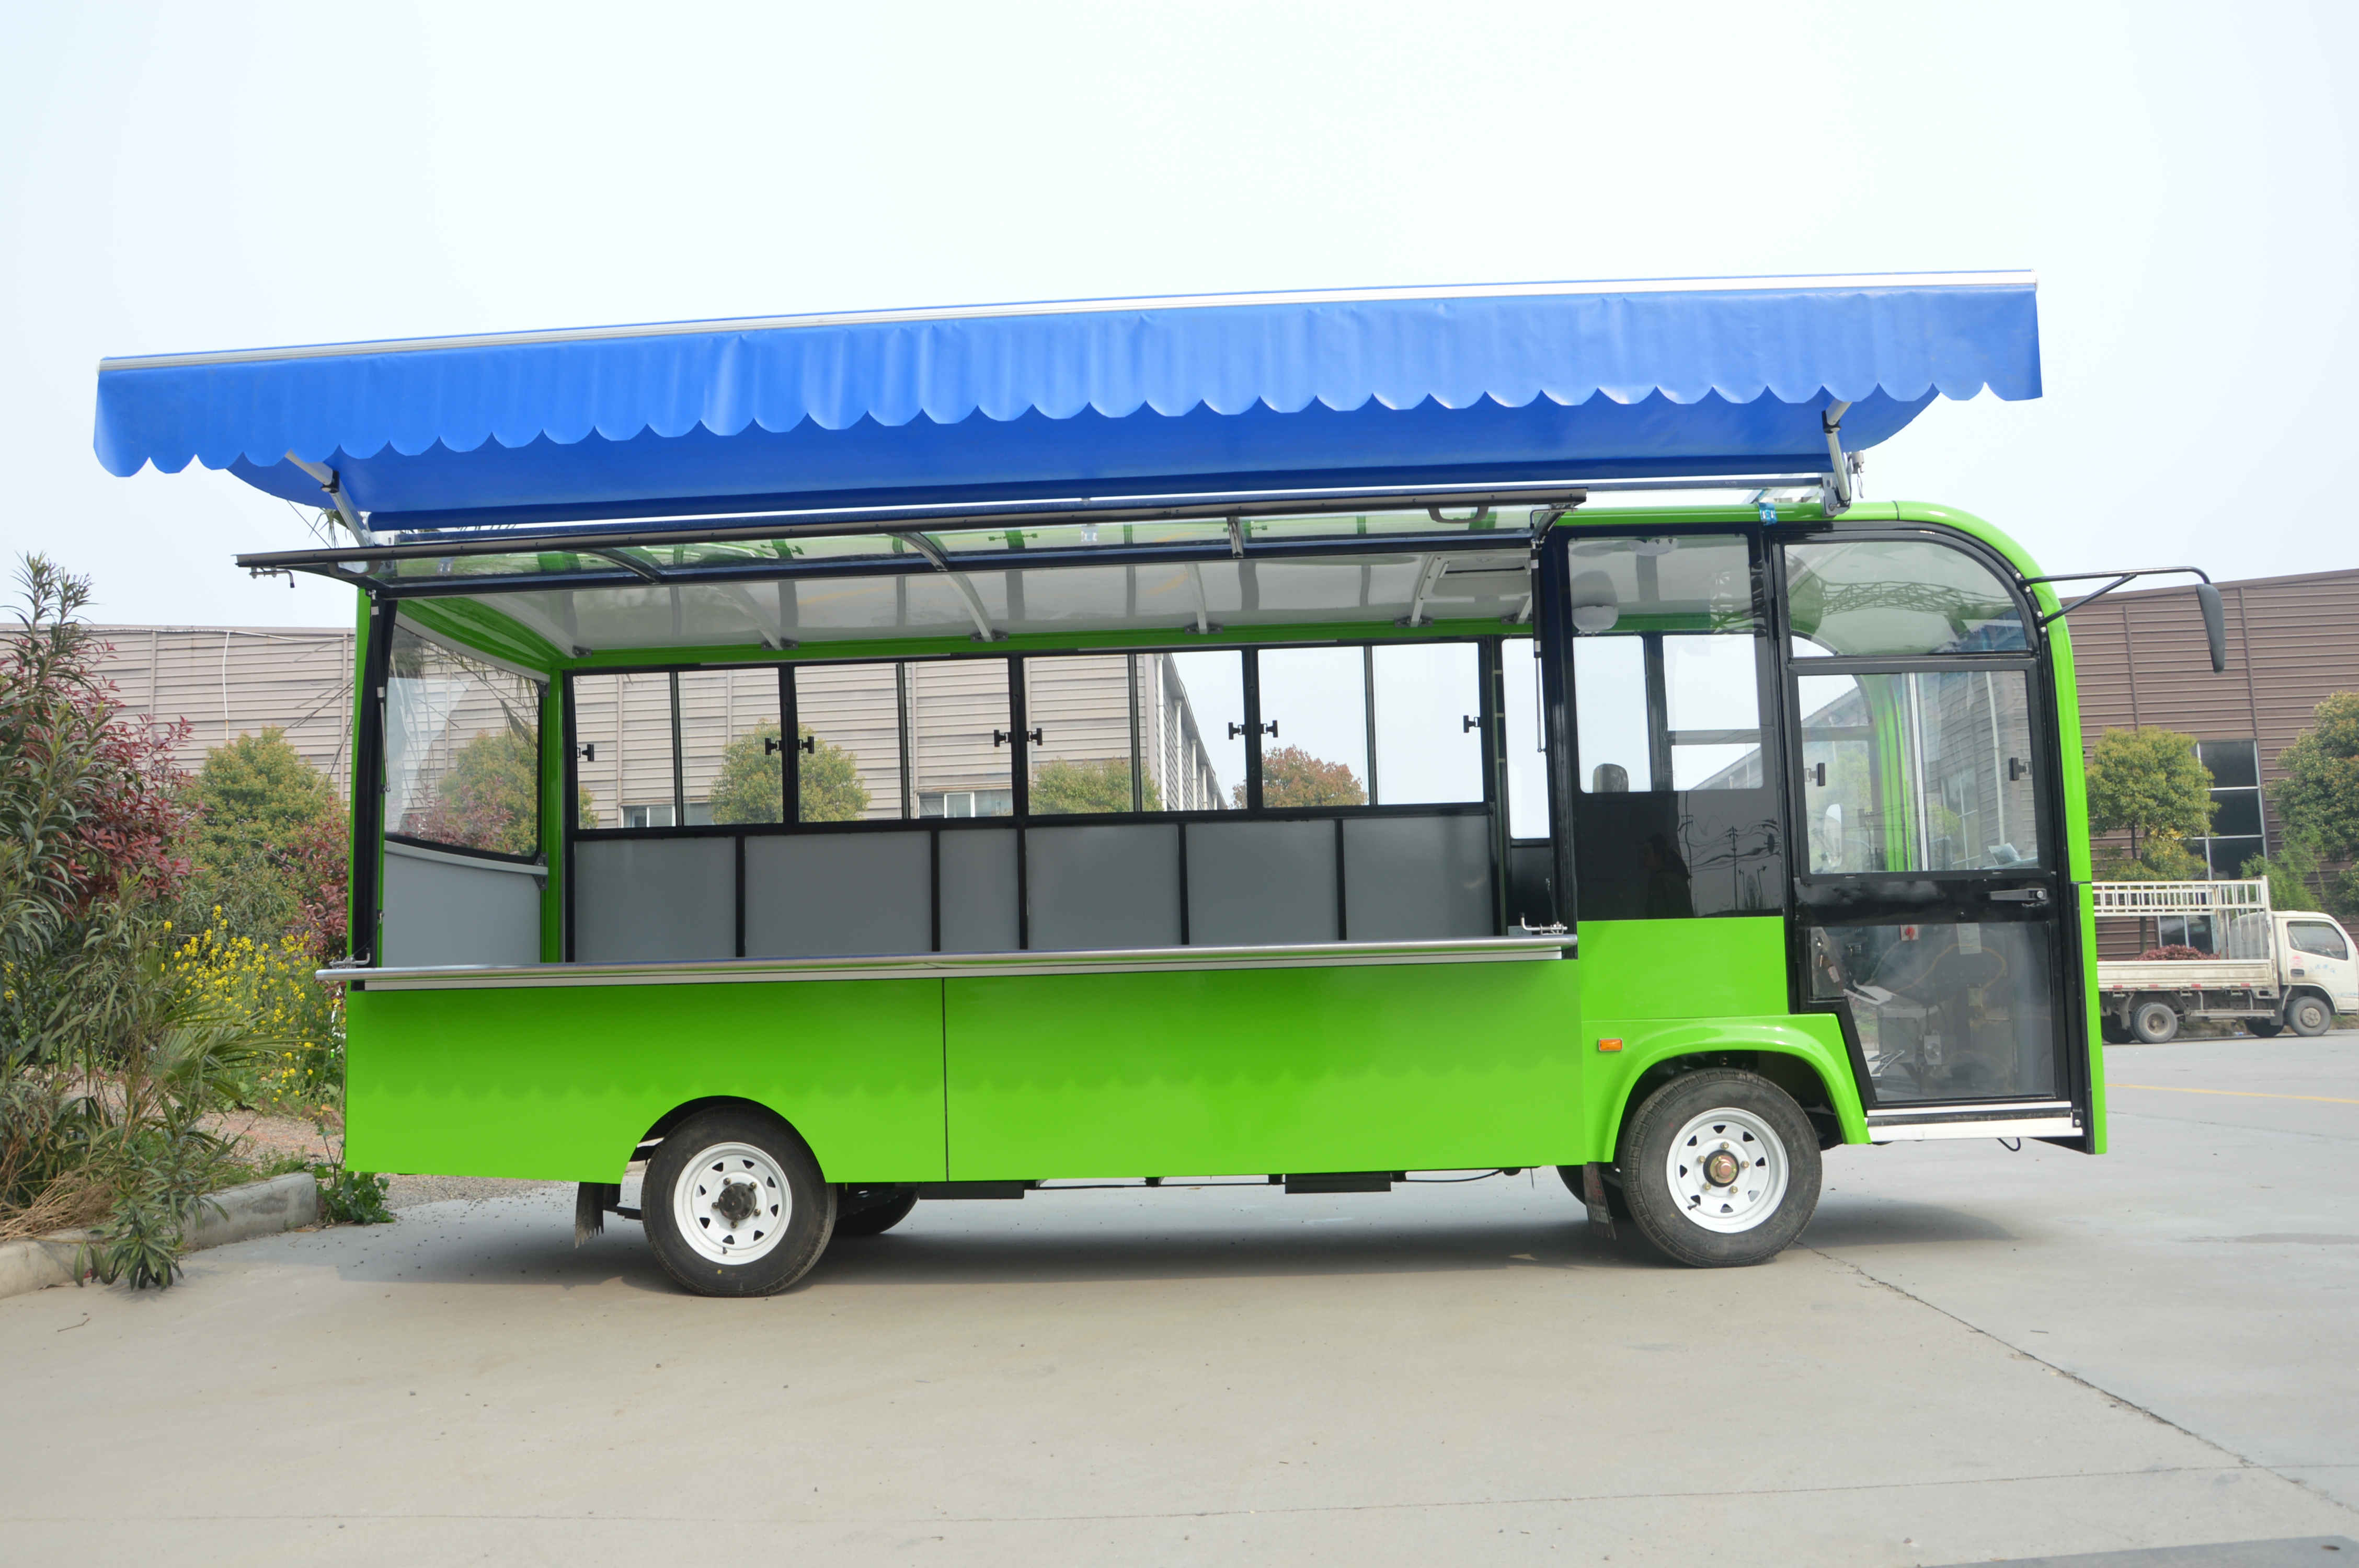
x=1413, y=879
x=1251, y=883
x=1103, y=886
x=979, y=890
x=640, y=899
x=838, y=893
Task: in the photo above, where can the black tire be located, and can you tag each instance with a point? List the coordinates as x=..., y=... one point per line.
x=2308, y=1016
x=2264, y=1028
x=1669, y=1217
x=806, y=1205
x=1617, y=1202
x=2114, y=1033
x=2154, y=1023
x=872, y=1211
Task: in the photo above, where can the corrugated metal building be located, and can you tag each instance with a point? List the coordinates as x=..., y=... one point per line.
x=228, y=681
x=2292, y=642
x=2142, y=660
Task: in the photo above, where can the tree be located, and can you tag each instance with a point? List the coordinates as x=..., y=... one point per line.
x=2149, y=782
x=258, y=804
x=753, y=780
x=2319, y=796
x=1068, y=788
x=1292, y=777
x=2293, y=873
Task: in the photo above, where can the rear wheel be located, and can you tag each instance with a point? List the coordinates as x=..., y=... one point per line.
x=734, y=1204
x=1720, y=1168
x=872, y=1211
x=2156, y=1022
x=2308, y=1016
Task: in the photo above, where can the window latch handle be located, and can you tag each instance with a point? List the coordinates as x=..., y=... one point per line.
x=2015, y=769
x=2031, y=895
x=769, y=745
x=1000, y=738
x=588, y=750
x=1270, y=728
x=1467, y=722
x=1819, y=774
x=810, y=744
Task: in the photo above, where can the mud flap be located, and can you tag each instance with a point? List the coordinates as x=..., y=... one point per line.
x=1593, y=1193
x=590, y=1201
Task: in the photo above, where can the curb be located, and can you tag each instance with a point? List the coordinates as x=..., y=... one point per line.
x=261, y=1209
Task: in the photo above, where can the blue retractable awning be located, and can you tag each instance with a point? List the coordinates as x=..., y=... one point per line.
x=1108, y=400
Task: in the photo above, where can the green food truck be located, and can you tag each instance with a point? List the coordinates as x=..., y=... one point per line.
x=846, y=760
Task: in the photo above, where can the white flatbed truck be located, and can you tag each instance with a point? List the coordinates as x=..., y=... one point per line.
x=2269, y=970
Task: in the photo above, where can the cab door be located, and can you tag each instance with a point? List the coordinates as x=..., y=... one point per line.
x=1930, y=882
x=2318, y=953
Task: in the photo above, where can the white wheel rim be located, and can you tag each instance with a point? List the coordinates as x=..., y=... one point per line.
x=732, y=1203
x=1727, y=1170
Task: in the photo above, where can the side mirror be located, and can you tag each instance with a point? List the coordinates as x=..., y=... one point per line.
x=2215, y=625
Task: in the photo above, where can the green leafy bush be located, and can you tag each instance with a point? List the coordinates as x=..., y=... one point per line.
x=351, y=1197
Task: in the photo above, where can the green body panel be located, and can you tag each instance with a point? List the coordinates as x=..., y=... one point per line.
x=559, y=1082
x=1193, y=1073
x=1816, y=1039
x=1729, y=967
x=1412, y=1066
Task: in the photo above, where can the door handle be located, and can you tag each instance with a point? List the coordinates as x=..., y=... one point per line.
x=2032, y=895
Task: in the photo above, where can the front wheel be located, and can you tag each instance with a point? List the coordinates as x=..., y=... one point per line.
x=734, y=1204
x=1720, y=1168
x=2308, y=1016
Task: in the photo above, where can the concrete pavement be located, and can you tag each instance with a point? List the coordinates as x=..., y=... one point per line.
x=1977, y=1353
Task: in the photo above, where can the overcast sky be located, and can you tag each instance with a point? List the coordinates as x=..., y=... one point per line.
x=225, y=175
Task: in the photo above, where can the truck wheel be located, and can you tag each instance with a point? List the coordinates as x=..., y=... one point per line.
x=872, y=1211
x=2156, y=1022
x=2309, y=1017
x=734, y=1204
x=1720, y=1168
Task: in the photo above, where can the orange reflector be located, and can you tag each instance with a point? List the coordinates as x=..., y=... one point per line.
x=1609, y=1044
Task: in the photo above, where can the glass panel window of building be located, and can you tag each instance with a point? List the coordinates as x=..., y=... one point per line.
x=462, y=749
x=2237, y=832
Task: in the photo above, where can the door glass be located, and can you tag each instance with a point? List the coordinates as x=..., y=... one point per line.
x=1197, y=747
x=2318, y=938
x=1081, y=708
x=1609, y=705
x=1527, y=807
x=1945, y=1011
x=964, y=761
x=849, y=725
x=729, y=746
x=1317, y=754
x=1918, y=771
x=1896, y=596
x=1713, y=694
x=1426, y=700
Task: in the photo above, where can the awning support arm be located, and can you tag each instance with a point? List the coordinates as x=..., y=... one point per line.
x=1429, y=571
x=2207, y=599
x=1832, y=422
x=933, y=552
x=328, y=481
